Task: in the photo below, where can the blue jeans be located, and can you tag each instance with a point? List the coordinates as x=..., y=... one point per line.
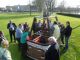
x=66, y=42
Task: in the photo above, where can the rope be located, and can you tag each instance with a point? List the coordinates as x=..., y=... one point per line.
x=75, y=27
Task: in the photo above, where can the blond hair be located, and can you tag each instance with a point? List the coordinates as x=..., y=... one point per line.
x=5, y=44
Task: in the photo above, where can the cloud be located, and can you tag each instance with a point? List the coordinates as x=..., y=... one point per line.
x=69, y=3
x=3, y=3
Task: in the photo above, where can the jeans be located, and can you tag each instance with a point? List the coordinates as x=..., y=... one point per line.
x=66, y=42
x=24, y=48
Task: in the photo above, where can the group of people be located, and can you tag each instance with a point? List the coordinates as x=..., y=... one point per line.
x=60, y=32
x=56, y=30
x=20, y=34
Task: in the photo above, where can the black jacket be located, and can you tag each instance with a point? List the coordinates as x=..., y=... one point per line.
x=62, y=31
x=52, y=53
x=68, y=31
x=14, y=25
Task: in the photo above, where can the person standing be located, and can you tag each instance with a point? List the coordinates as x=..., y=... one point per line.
x=50, y=28
x=39, y=25
x=53, y=52
x=62, y=33
x=68, y=31
x=23, y=42
x=25, y=26
x=18, y=34
x=56, y=32
x=12, y=27
x=34, y=25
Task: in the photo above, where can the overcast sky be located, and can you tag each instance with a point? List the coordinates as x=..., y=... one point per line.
x=3, y=3
x=71, y=3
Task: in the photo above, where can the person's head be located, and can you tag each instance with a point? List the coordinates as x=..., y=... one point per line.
x=35, y=20
x=59, y=23
x=1, y=33
x=62, y=25
x=19, y=25
x=5, y=44
x=52, y=40
x=25, y=22
x=10, y=21
x=68, y=23
x=55, y=22
x=39, y=21
x=26, y=30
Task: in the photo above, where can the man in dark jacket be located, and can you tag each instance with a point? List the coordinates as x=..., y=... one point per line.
x=53, y=51
x=12, y=27
x=68, y=31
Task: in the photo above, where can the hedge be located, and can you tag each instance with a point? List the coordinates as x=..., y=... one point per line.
x=71, y=15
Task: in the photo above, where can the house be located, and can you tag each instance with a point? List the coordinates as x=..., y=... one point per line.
x=21, y=8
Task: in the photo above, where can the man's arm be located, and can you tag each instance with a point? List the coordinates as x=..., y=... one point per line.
x=15, y=26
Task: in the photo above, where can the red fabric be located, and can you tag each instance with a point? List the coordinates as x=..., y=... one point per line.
x=29, y=38
x=37, y=40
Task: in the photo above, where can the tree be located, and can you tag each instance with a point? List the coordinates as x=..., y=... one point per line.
x=62, y=6
x=39, y=4
x=50, y=5
x=44, y=4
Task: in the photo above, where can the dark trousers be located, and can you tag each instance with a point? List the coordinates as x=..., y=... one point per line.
x=18, y=39
x=12, y=34
x=24, y=48
x=62, y=38
x=66, y=42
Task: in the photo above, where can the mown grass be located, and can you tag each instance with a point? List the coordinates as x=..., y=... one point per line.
x=73, y=53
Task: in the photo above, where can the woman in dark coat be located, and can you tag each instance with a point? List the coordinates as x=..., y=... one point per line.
x=68, y=31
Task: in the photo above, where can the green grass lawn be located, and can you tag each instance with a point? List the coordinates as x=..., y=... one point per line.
x=73, y=52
